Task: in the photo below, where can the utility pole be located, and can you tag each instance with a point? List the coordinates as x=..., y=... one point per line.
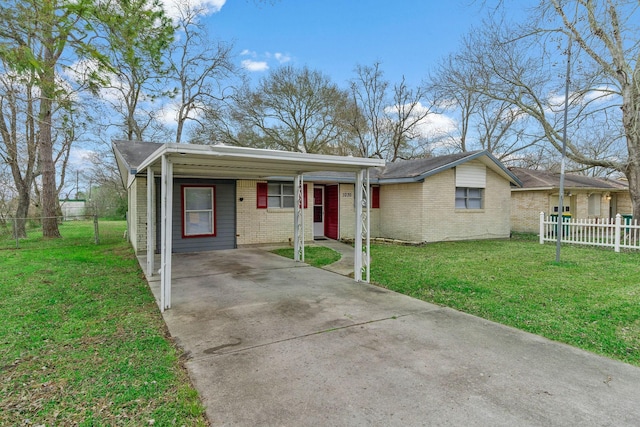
x=559, y=228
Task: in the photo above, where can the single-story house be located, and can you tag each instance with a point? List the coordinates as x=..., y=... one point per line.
x=585, y=197
x=222, y=197
x=454, y=197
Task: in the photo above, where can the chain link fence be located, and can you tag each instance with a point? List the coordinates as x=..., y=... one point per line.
x=26, y=233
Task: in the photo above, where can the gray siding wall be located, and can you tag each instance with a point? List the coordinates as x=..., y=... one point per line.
x=225, y=215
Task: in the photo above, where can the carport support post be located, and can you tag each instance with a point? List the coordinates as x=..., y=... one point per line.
x=298, y=219
x=150, y=222
x=166, y=205
x=362, y=238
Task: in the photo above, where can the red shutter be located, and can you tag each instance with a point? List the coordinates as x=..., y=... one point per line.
x=263, y=195
x=305, y=195
x=375, y=197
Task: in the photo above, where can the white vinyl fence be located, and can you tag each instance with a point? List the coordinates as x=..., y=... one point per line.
x=615, y=232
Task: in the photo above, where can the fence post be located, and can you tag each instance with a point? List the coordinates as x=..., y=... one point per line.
x=15, y=232
x=542, y=228
x=95, y=229
x=618, y=228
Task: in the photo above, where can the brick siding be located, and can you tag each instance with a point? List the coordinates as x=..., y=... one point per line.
x=271, y=225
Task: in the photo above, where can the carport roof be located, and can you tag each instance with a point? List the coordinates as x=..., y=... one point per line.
x=228, y=162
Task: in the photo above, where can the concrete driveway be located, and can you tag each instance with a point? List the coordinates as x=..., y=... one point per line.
x=271, y=342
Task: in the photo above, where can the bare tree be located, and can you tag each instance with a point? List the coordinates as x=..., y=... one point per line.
x=134, y=44
x=18, y=129
x=406, y=115
x=369, y=92
x=482, y=122
x=390, y=117
x=452, y=85
x=523, y=66
x=105, y=193
x=198, y=66
x=291, y=109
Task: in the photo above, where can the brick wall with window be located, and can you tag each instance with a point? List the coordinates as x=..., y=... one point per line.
x=443, y=221
x=258, y=222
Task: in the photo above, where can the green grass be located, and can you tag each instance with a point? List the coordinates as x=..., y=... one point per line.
x=317, y=256
x=82, y=341
x=591, y=299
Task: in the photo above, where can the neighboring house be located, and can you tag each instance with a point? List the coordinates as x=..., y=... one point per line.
x=72, y=209
x=584, y=198
x=456, y=197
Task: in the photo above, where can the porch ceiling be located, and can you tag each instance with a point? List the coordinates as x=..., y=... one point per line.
x=240, y=162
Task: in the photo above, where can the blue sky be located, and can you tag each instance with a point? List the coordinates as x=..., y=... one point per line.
x=409, y=37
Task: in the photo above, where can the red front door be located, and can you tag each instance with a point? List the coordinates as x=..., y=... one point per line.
x=331, y=211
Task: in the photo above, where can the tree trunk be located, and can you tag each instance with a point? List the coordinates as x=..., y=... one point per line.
x=49, y=194
x=633, y=176
x=47, y=166
x=21, y=213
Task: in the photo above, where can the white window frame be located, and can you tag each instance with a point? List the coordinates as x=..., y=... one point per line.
x=187, y=213
x=280, y=196
x=466, y=199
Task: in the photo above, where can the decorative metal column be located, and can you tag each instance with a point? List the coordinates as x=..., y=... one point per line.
x=150, y=222
x=298, y=218
x=166, y=206
x=362, y=271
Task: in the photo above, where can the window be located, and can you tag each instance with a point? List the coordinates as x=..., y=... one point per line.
x=469, y=198
x=277, y=195
x=198, y=209
x=594, y=204
x=280, y=195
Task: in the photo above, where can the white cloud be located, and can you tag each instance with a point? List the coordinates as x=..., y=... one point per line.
x=432, y=126
x=167, y=115
x=251, y=65
x=281, y=57
x=597, y=95
x=260, y=61
x=601, y=94
x=206, y=7
x=437, y=125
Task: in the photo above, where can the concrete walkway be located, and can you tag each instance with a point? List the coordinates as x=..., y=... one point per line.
x=271, y=342
x=344, y=265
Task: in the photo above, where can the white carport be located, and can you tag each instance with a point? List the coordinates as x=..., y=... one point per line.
x=224, y=162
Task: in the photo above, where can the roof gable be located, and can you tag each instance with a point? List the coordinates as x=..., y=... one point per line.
x=416, y=170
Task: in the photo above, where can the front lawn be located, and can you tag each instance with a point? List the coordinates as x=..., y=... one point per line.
x=591, y=299
x=82, y=341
